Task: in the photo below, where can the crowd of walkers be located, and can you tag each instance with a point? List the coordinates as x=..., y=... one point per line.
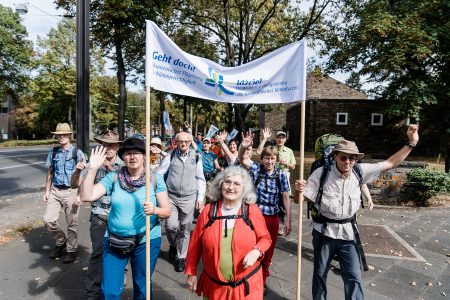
x=243, y=206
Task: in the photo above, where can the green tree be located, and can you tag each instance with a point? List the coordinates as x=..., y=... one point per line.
x=15, y=50
x=54, y=86
x=118, y=27
x=244, y=30
x=403, y=49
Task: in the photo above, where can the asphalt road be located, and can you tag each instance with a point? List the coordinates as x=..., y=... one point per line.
x=22, y=169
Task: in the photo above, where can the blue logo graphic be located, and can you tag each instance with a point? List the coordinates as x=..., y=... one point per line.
x=217, y=79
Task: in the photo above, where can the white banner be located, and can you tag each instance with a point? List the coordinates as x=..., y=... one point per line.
x=277, y=77
x=232, y=135
x=166, y=121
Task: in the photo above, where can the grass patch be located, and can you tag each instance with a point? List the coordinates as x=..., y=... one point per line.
x=22, y=229
x=17, y=143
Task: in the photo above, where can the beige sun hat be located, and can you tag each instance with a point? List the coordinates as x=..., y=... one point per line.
x=110, y=137
x=62, y=128
x=156, y=141
x=347, y=147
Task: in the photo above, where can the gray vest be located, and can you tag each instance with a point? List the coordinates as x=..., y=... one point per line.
x=181, y=181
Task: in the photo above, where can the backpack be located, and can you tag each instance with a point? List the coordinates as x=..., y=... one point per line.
x=323, y=147
x=212, y=214
x=74, y=155
x=261, y=175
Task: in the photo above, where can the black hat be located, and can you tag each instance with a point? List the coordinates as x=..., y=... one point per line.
x=132, y=144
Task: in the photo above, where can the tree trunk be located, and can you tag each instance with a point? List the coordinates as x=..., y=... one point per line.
x=447, y=158
x=121, y=79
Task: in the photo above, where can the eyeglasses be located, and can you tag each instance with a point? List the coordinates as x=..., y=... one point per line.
x=183, y=142
x=345, y=157
x=132, y=154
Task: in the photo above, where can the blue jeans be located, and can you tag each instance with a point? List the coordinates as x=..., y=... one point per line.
x=325, y=249
x=114, y=265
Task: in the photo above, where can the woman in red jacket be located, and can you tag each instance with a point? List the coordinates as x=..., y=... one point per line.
x=231, y=238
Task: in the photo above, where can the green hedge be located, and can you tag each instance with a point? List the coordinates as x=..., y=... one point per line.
x=425, y=183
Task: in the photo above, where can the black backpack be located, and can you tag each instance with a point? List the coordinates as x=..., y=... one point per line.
x=212, y=214
x=261, y=175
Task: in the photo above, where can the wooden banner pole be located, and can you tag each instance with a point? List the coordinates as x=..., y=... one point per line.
x=299, y=199
x=147, y=190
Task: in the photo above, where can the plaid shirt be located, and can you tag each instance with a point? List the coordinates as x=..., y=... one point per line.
x=267, y=191
x=102, y=206
x=63, y=165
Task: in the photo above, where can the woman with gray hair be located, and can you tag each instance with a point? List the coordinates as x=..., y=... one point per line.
x=231, y=238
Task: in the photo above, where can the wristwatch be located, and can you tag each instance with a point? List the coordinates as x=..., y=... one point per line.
x=410, y=146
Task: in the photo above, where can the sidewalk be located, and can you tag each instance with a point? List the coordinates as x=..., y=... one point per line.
x=27, y=273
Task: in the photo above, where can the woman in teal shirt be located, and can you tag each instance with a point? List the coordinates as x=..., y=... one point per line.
x=126, y=220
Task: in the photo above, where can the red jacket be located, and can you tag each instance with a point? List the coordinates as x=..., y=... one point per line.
x=205, y=242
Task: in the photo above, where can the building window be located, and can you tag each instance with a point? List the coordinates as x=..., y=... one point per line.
x=377, y=120
x=341, y=118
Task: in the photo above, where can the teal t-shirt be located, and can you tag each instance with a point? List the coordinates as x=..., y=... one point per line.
x=127, y=215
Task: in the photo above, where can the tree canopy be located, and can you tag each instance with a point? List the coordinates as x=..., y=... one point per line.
x=401, y=48
x=15, y=50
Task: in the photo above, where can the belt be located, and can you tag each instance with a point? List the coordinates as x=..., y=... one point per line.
x=61, y=187
x=236, y=283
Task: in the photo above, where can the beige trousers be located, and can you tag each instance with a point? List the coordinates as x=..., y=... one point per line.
x=61, y=199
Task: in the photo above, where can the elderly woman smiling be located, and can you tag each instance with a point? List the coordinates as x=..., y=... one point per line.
x=125, y=235
x=231, y=238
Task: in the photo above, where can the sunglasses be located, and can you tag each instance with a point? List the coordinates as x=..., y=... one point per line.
x=345, y=158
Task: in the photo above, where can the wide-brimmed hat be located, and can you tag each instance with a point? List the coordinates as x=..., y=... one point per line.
x=131, y=144
x=110, y=137
x=156, y=141
x=347, y=147
x=62, y=128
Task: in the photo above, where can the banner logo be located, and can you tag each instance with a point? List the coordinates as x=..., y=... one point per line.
x=217, y=79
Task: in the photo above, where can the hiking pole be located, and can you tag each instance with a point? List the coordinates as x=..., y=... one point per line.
x=300, y=198
x=147, y=191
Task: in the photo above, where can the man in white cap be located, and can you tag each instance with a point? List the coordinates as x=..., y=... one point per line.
x=61, y=163
x=99, y=211
x=336, y=201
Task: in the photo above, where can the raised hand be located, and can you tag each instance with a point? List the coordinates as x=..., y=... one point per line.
x=247, y=140
x=266, y=133
x=413, y=134
x=97, y=157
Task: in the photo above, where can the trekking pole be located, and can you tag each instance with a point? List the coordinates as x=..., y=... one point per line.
x=300, y=198
x=147, y=191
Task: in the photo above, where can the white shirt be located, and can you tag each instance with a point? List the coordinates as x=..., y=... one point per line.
x=341, y=197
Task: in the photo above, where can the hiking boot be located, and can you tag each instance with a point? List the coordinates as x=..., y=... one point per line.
x=180, y=265
x=172, y=252
x=57, y=251
x=69, y=258
x=281, y=230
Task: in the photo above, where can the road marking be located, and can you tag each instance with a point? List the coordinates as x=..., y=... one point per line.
x=32, y=154
x=18, y=166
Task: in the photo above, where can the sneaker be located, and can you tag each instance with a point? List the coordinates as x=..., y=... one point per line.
x=172, y=252
x=281, y=230
x=180, y=265
x=69, y=258
x=125, y=278
x=266, y=290
x=57, y=251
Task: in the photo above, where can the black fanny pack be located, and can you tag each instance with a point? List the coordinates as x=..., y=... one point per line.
x=124, y=244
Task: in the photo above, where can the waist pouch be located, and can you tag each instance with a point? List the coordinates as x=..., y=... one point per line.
x=124, y=244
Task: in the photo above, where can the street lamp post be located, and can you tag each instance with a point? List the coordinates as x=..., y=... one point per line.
x=83, y=111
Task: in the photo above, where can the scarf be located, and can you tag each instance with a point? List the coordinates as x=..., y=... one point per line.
x=129, y=184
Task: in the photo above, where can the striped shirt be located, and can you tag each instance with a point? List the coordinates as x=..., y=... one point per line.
x=102, y=206
x=267, y=190
x=63, y=165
